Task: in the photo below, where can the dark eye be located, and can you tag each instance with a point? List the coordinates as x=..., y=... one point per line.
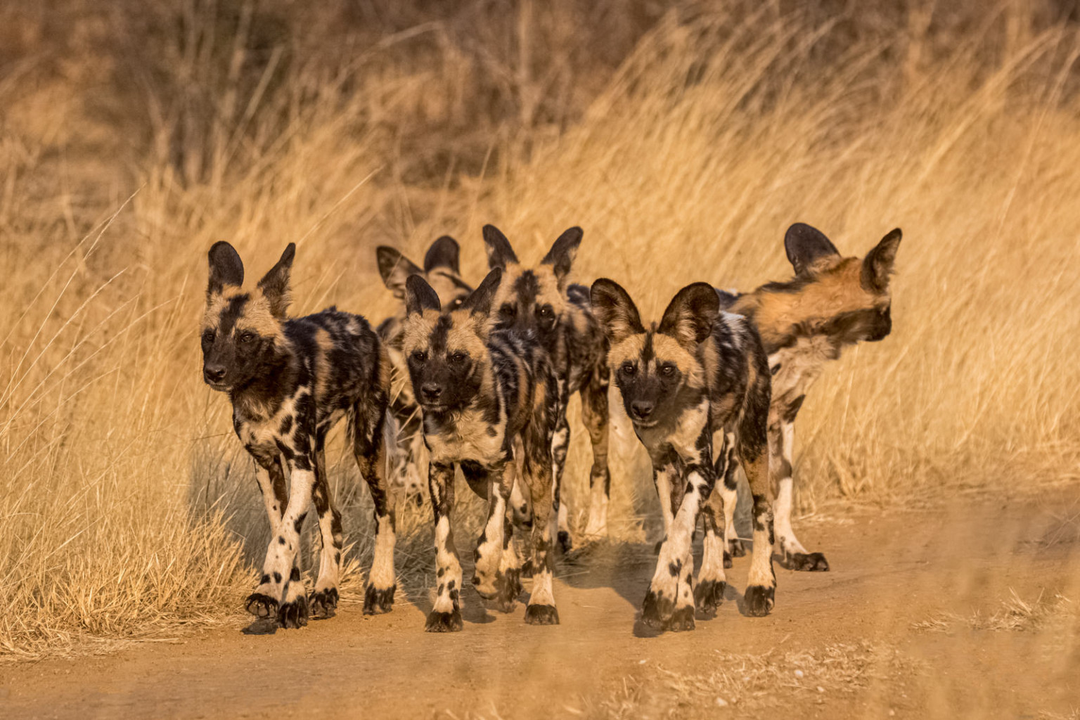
x=247, y=337
x=455, y=303
x=667, y=369
x=546, y=313
x=459, y=357
x=627, y=368
x=208, y=338
x=419, y=356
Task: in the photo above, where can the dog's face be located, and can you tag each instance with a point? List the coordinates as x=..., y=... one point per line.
x=849, y=295
x=446, y=351
x=441, y=271
x=658, y=370
x=241, y=330
x=531, y=301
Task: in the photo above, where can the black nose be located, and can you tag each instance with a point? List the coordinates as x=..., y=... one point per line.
x=214, y=373
x=641, y=409
x=431, y=391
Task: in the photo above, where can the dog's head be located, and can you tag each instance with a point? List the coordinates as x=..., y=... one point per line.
x=446, y=350
x=658, y=370
x=242, y=330
x=531, y=301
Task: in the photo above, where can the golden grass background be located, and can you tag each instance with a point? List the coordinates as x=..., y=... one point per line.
x=683, y=139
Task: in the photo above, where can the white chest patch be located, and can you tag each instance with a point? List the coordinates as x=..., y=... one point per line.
x=799, y=366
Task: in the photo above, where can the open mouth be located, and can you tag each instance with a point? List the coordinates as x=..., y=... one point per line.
x=645, y=424
x=433, y=407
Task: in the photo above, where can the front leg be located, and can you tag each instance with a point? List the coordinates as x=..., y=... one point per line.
x=792, y=553
x=445, y=616
x=761, y=582
x=669, y=604
x=280, y=570
x=537, y=470
x=727, y=464
x=263, y=603
x=370, y=449
x=324, y=600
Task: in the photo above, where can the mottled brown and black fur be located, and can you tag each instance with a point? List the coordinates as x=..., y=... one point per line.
x=442, y=272
x=290, y=380
x=539, y=302
x=804, y=323
x=488, y=400
x=695, y=382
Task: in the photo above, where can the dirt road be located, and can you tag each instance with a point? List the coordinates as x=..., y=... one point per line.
x=951, y=613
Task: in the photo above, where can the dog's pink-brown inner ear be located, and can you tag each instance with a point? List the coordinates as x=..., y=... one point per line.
x=612, y=306
x=226, y=268
x=878, y=263
x=691, y=314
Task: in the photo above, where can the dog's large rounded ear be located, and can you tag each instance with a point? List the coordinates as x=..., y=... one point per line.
x=612, y=306
x=226, y=268
x=691, y=314
x=395, y=269
x=805, y=246
x=562, y=253
x=878, y=263
x=499, y=252
x=275, y=284
x=419, y=296
x=479, y=301
x=443, y=253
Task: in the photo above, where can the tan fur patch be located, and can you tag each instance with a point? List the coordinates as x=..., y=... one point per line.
x=258, y=318
x=418, y=329
x=668, y=350
x=464, y=335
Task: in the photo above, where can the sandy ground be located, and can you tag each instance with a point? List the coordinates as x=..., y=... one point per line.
x=912, y=621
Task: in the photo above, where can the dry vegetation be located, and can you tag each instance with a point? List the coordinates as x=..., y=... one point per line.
x=683, y=140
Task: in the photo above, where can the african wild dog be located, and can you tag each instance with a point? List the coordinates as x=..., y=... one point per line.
x=832, y=302
x=441, y=270
x=488, y=400
x=697, y=380
x=290, y=380
x=538, y=301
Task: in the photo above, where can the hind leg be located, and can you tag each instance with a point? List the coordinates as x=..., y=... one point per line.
x=760, y=593
x=792, y=553
x=594, y=413
x=711, y=580
x=324, y=599
x=537, y=470
x=369, y=448
x=727, y=465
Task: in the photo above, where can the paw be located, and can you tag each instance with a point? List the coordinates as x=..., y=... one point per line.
x=443, y=622
x=565, y=543
x=738, y=548
x=261, y=606
x=759, y=600
x=708, y=595
x=656, y=610
x=541, y=615
x=682, y=619
x=378, y=600
x=807, y=562
x=323, y=603
x=294, y=614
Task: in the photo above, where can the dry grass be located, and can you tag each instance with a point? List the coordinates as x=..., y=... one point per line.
x=749, y=682
x=684, y=145
x=1058, y=614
